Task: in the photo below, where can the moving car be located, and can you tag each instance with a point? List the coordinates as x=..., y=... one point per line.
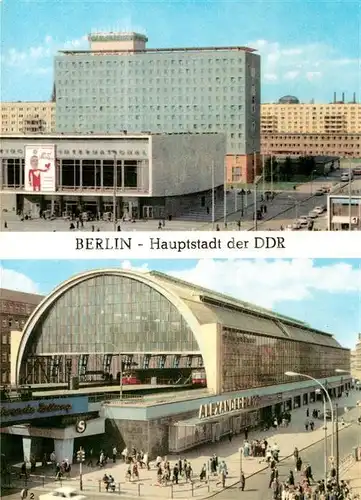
x=320, y=192
x=346, y=177
x=319, y=210
x=65, y=492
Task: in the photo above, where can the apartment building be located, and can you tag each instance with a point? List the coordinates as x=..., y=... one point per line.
x=27, y=117
x=15, y=309
x=121, y=85
x=289, y=116
x=297, y=144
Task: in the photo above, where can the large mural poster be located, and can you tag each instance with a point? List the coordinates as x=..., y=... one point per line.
x=40, y=172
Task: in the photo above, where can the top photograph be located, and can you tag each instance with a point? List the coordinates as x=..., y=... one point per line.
x=172, y=116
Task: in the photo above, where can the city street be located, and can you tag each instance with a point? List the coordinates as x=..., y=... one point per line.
x=257, y=485
x=286, y=438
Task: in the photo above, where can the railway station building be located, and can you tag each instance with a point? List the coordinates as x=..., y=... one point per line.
x=222, y=360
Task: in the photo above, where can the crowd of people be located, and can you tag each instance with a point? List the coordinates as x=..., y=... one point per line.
x=306, y=488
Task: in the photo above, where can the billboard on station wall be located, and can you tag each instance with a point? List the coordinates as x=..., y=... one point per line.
x=40, y=174
x=46, y=408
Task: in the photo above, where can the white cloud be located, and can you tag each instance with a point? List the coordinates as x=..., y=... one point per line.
x=283, y=62
x=291, y=75
x=126, y=264
x=270, y=77
x=13, y=280
x=267, y=283
x=77, y=43
x=313, y=75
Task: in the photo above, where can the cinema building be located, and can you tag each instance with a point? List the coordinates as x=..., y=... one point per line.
x=148, y=176
x=222, y=360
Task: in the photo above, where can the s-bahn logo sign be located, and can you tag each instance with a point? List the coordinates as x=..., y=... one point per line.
x=227, y=406
x=80, y=426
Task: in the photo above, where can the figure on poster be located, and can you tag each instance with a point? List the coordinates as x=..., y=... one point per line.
x=35, y=173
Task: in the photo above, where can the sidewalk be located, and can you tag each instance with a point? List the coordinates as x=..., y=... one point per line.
x=287, y=439
x=353, y=476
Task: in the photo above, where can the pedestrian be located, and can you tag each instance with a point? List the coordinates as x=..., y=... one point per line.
x=223, y=473
x=175, y=474
x=307, y=412
x=242, y=482
x=114, y=454
x=306, y=425
x=246, y=433
x=230, y=435
x=90, y=458
x=291, y=479
x=312, y=425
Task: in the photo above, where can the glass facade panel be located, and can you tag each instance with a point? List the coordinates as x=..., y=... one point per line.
x=250, y=360
x=112, y=310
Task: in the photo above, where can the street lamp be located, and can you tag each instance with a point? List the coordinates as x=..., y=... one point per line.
x=240, y=462
x=325, y=428
x=325, y=391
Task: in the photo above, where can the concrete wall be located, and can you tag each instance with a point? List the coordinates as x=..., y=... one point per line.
x=151, y=436
x=210, y=345
x=15, y=339
x=182, y=164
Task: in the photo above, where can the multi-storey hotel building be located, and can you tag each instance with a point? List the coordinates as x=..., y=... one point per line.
x=119, y=84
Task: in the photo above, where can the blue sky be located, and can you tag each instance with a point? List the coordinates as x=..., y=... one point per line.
x=309, y=48
x=326, y=293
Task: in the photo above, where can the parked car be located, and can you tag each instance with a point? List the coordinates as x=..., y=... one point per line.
x=319, y=210
x=312, y=214
x=319, y=192
x=303, y=220
x=65, y=492
x=296, y=225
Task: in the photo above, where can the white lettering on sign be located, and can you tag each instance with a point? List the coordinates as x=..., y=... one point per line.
x=227, y=405
x=80, y=426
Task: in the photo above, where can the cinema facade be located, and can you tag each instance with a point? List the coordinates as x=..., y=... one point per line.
x=150, y=176
x=228, y=357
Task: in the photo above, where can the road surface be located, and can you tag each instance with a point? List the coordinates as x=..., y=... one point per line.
x=257, y=486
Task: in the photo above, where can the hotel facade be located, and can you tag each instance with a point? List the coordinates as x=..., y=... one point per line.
x=119, y=84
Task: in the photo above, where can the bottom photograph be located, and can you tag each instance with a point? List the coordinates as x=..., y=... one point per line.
x=181, y=379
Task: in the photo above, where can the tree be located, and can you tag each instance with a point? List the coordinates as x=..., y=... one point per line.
x=285, y=170
x=306, y=165
x=270, y=170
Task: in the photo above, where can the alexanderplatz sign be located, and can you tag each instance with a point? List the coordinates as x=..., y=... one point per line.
x=228, y=406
